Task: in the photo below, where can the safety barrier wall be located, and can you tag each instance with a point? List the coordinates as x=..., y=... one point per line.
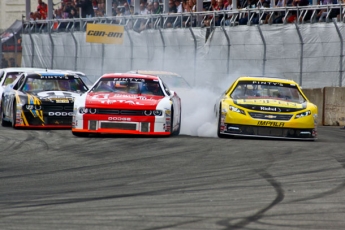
x=316, y=96
x=330, y=103
x=334, y=106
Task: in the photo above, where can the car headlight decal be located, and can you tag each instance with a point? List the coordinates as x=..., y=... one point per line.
x=304, y=114
x=92, y=111
x=157, y=112
x=153, y=112
x=83, y=110
x=237, y=110
x=148, y=112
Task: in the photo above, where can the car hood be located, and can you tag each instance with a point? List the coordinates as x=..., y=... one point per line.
x=56, y=96
x=106, y=100
x=270, y=105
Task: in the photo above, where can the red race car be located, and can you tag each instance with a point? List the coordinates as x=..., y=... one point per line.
x=125, y=103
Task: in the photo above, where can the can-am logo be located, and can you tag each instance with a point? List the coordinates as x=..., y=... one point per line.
x=263, y=108
x=61, y=114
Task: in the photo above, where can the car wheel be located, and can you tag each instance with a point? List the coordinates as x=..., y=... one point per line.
x=3, y=122
x=219, y=122
x=172, y=122
x=79, y=134
x=177, y=132
x=14, y=115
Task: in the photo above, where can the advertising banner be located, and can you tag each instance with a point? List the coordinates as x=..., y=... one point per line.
x=104, y=33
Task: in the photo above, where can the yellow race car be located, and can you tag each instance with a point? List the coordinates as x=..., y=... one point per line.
x=266, y=107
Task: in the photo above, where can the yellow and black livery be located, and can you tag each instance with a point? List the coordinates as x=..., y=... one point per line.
x=266, y=107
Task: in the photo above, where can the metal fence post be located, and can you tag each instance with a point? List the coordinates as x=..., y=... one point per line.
x=1, y=55
x=32, y=48
x=341, y=56
x=15, y=47
x=53, y=47
x=131, y=42
x=102, y=64
x=195, y=53
x=76, y=50
x=301, y=56
x=163, y=42
x=228, y=40
x=265, y=50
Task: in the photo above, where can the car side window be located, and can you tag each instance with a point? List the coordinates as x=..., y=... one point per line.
x=166, y=89
x=19, y=82
x=2, y=75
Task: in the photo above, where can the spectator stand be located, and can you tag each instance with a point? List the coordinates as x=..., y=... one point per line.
x=154, y=21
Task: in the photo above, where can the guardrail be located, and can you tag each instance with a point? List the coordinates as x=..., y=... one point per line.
x=305, y=14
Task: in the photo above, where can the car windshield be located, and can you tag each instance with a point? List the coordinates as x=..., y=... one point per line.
x=62, y=84
x=85, y=79
x=267, y=90
x=174, y=81
x=129, y=86
x=10, y=77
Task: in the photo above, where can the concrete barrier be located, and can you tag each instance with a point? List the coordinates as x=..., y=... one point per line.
x=331, y=104
x=315, y=96
x=334, y=106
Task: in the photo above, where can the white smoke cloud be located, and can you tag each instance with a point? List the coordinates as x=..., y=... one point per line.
x=198, y=118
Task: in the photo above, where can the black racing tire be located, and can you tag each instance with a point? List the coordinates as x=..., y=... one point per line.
x=14, y=112
x=79, y=134
x=172, y=122
x=219, y=121
x=3, y=122
x=177, y=132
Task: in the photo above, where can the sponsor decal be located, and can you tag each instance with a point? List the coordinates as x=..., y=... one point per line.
x=270, y=116
x=109, y=102
x=267, y=83
x=119, y=118
x=62, y=114
x=109, y=96
x=53, y=77
x=167, y=113
x=104, y=33
x=62, y=101
x=271, y=123
x=129, y=79
x=266, y=108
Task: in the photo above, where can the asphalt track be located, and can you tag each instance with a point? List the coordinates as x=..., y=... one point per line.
x=52, y=180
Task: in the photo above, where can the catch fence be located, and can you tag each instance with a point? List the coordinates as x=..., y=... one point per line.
x=307, y=51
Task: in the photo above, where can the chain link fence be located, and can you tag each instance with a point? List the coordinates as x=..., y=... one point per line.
x=309, y=52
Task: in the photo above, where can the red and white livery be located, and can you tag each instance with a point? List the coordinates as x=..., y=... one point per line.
x=124, y=103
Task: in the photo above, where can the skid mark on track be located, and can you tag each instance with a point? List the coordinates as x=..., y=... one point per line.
x=174, y=225
x=258, y=215
x=335, y=190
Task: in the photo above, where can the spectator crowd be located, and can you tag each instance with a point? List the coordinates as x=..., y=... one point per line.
x=67, y=9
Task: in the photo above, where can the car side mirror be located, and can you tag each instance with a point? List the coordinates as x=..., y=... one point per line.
x=168, y=92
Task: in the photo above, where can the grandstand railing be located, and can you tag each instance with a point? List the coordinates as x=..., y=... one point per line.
x=305, y=14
